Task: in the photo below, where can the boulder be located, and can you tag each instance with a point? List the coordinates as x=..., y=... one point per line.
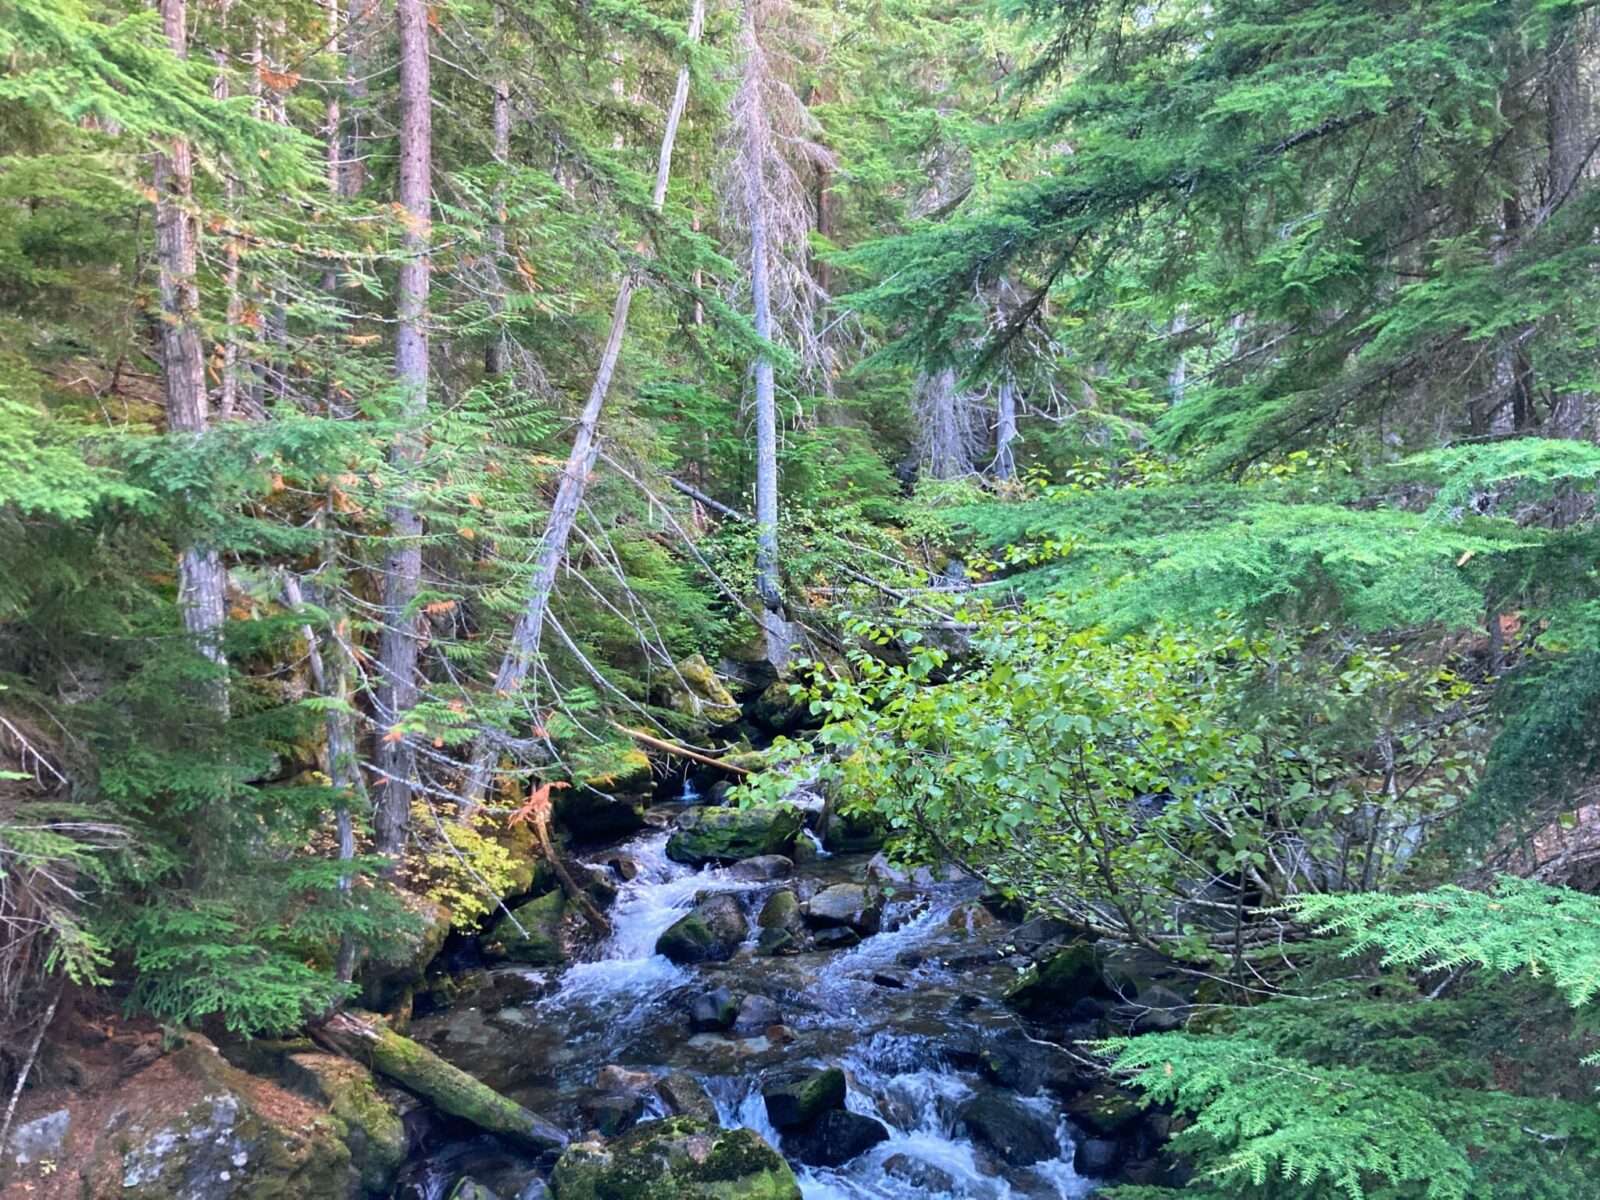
x=834, y=1138
x=1098, y=1157
x=712, y=931
x=468, y=1188
x=1013, y=1131
x=1053, y=989
x=376, y=1135
x=764, y=868
x=1158, y=1009
x=778, y=710
x=38, y=1140
x=848, y=904
x=1027, y=1066
x=687, y=1097
x=851, y=832
x=781, y=911
x=592, y=815
x=713, y=1012
x=799, y=1096
x=538, y=941
x=693, y=690
x=777, y=943
x=388, y=979
x=726, y=835
x=610, y=1113
x=756, y=1013
x=679, y=1158
x=1105, y=1110
x=614, y=1077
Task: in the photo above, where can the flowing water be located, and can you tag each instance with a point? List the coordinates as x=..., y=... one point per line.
x=902, y=1013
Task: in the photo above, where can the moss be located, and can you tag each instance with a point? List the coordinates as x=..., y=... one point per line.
x=688, y=940
x=679, y=1158
x=374, y=1132
x=730, y=834
x=538, y=942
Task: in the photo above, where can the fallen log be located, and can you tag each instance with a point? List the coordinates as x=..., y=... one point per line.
x=683, y=751
x=451, y=1090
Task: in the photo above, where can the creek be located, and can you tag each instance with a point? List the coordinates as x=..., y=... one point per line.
x=905, y=1013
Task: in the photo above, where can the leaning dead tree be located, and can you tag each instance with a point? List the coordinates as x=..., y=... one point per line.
x=529, y=628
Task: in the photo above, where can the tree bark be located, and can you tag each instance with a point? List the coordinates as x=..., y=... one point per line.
x=399, y=644
x=526, y=634
x=494, y=354
x=202, y=580
x=1005, y=432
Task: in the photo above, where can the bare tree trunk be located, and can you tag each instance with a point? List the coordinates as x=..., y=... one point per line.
x=202, y=580
x=769, y=584
x=1005, y=431
x=398, y=646
x=228, y=392
x=526, y=634
x=494, y=354
x=352, y=165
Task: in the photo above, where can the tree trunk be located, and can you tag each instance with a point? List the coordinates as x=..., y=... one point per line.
x=526, y=634
x=494, y=354
x=202, y=580
x=1005, y=432
x=447, y=1087
x=398, y=645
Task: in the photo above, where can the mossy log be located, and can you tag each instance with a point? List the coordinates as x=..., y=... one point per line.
x=450, y=1089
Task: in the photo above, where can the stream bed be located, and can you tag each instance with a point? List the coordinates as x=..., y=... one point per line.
x=905, y=1013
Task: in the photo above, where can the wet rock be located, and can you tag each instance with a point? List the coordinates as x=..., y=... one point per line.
x=1027, y=1066
x=1058, y=983
x=612, y=1113
x=1158, y=1009
x=686, y=1097
x=970, y=919
x=756, y=1013
x=763, y=868
x=923, y=1176
x=849, y=904
x=834, y=1138
x=623, y=867
x=840, y=937
x=375, y=1132
x=1097, y=1157
x=38, y=1139
x=712, y=931
x=679, y=1158
x=799, y=1096
x=726, y=835
x=1105, y=1110
x=693, y=690
x=616, y=1078
x=781, y=911
x=468, y=1188
x=781, y=1035
x=881, y=870
x=713, y=1012
x=777, y=943
x=885, y=980
x=537, y=1189
x=538, y=940
x=851, y=833
x=1013, y=1131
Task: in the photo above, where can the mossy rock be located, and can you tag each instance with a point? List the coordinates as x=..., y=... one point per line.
x=852, y=833
x=725, y=835
x=694, y=691
x=388, y=979
x=680, y=1158
x=375, y=1133
x=538, y=943
x=798, y=1097
x=631, y=773
x=1068, y=975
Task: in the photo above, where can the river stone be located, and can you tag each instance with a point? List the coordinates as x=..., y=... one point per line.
x=613, y=1077
x=712, y=931
x=1026, y=1066
x=1015, y=1132
x=611, y=1113
x=834, y=1138
x=687, y=1097
x=1158, y=1009
x=781, y=911
x=468, y=1188
x=797, y=1097
x=849, y=904
x=1059, y=982
x=591, y=815
x=777, y=942
x=756, y=1013
x=713, y=1012
x=1097, y=1156
x=679, y=1158
x=777, y=709
x=726, y=835
x=538, y=942
x=763, y=868
x=851, y=833
x=921, y=1175
x=841, y=937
